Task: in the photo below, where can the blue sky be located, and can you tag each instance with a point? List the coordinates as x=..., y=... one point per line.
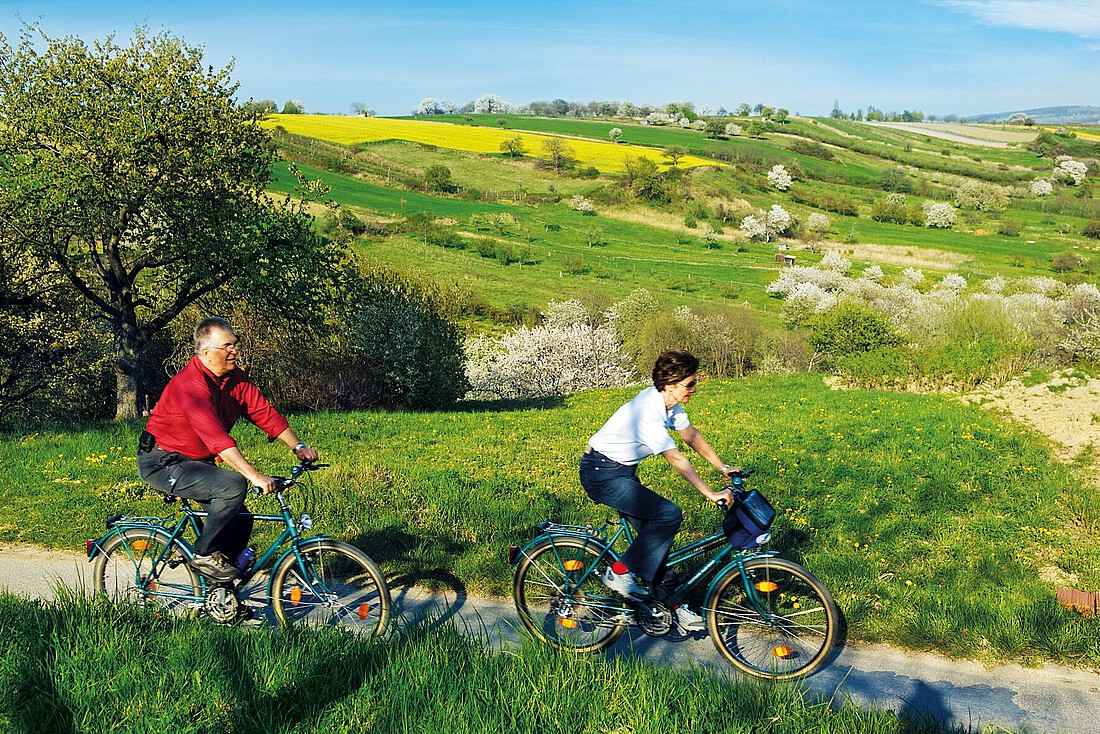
x=937, y=56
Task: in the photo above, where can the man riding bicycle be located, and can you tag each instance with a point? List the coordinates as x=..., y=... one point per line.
x=188, y=431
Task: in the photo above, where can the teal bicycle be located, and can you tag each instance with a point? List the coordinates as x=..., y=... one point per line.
x=311, y=581
x=769, y=617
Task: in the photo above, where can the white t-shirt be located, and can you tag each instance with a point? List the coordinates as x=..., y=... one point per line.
x=640, y=428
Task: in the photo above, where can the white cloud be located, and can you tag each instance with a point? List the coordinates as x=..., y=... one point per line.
x=1077, y=17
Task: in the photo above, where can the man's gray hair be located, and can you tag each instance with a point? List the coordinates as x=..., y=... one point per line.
x=207, y=327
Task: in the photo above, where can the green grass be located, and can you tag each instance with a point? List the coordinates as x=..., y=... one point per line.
x=75, y=666
x=931, y=522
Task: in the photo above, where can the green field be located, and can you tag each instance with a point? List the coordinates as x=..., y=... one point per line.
x=554, y=252
x=933, y=523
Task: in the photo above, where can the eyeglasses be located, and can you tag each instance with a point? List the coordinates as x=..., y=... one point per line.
x=226, y=347
x=689, y=385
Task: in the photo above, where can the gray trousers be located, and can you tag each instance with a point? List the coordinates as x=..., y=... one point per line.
x=220, y=492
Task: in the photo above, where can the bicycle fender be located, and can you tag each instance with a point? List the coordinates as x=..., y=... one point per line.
x=732, y=565
x=304, y=546
x=550, y=536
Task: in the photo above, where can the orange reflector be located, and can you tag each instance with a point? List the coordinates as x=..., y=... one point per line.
x=573, y=565
x=781, y=651
x=568, y=623
x=140, y=545
x=296, y=595
x=766, y=586
x=364, y=610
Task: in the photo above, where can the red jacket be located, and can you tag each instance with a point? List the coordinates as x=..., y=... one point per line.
x=196, y=411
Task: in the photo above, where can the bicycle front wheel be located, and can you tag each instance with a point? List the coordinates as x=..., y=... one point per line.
x=797, y=631
x=560, y=598
x=331, y=584
x=142, y=566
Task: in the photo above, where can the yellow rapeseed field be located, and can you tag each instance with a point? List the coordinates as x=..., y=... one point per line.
x=607, y=157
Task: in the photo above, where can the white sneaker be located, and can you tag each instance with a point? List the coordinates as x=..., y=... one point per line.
x=688, y=620
x=624, y=584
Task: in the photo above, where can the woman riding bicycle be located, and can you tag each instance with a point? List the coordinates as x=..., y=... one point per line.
x=608, y=473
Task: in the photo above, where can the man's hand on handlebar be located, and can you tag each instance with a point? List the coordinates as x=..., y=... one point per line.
x=306, y=453
x=264, y=484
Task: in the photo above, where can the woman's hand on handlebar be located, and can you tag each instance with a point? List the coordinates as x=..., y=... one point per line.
x=722, y=496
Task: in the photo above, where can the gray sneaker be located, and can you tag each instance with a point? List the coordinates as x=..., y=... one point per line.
x=215, y=567
x=625, y=585
x=688, y=620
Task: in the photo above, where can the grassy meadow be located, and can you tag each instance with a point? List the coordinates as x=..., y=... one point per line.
x=691, y=250
x=74, y=666
x=936, y=525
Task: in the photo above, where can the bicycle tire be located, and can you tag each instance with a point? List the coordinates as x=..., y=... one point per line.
x=338, y=586
x=127, y=570
x=803, y=629
x=554, y=608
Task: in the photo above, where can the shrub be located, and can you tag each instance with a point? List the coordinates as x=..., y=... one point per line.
x=851, y=328
x=1009, y=227
x=438, y=178
x=984, y=197
x=939, y=215
x=542, y=361
x=1092, y=229
x=779, y=178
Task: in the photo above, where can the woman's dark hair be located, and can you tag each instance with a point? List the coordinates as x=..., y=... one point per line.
x=672, y=366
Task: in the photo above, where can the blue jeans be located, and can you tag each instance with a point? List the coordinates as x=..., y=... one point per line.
x=655, y=518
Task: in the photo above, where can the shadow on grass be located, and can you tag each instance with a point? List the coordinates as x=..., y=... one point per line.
x=445, y=593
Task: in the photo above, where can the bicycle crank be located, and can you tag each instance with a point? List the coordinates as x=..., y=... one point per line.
x=222, y=604
x=654, y=618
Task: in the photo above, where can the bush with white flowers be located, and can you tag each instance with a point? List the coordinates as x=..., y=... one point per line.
x=938, y=214
x=833, y=260
x=817, y=223
x=541, y=361
x=779, y=178
x=733, y=129
x=581, y=204
x=1042, y=187
x=1069, y=171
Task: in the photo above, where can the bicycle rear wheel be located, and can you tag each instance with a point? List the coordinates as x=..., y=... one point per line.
x=559, y=603
x=139, y=566
x=334, y=585
x=796, y=635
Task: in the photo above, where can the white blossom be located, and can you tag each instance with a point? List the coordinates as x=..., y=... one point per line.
x=938, y=214
x=733, y=129
x=996, y=284
x=912, y=277
x=873, y=273
x=1068, y=170
x=582, y=205
x=833, y=260
x=817, y=222
x=544, y=361
x=779, y=178
x=952, y=282
x=1042, y=187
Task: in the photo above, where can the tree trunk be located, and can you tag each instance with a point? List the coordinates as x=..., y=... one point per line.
x=127, y=379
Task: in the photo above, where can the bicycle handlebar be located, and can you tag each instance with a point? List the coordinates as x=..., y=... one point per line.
x=284, y=483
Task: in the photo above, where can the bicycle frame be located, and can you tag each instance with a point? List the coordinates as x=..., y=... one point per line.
x=192, y=519
x=716, y=566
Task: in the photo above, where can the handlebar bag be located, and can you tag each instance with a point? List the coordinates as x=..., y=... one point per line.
x=747, y=522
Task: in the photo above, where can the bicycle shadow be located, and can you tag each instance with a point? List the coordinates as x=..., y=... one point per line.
x=423, y=595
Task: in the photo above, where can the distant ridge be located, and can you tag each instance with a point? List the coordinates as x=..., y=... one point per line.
x=1046, y=115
